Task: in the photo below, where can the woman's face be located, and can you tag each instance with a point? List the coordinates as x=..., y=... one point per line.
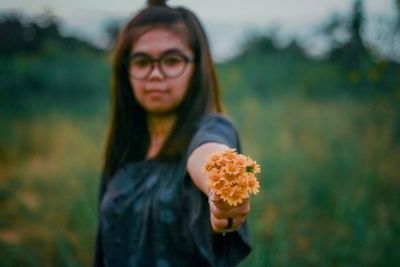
x=160, y=86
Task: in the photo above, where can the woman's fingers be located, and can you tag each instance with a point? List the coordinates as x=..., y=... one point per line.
x=226, y=218
x=228, y=212
x=227, y=224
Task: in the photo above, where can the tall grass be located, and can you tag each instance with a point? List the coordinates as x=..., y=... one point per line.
x=329, y=196
x=50, y=171
x=330, y=181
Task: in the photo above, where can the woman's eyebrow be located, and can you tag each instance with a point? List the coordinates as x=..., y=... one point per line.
x=173, y=51
x=166, y=52
x=139, y=54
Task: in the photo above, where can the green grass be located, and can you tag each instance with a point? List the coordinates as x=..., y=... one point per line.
x=50, y=173
x=329, y=184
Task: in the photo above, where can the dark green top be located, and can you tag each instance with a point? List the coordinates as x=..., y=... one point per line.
x=153, y=215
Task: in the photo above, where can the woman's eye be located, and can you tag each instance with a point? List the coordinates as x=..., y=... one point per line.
x=140, y=62
x=172, y=60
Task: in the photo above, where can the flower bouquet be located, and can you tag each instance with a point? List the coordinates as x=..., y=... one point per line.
x=231, y=176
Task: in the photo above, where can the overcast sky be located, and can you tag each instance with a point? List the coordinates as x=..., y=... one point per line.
x=226, y=21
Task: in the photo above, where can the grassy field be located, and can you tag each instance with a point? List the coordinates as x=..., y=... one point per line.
x=329, y=196
x=49, y=180
x=330, y=182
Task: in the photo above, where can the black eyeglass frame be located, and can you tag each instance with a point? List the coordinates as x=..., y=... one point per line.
x=157, y=61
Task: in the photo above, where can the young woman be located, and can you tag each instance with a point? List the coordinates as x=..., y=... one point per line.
x=155, y=206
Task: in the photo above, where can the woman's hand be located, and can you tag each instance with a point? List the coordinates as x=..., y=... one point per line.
x=225, y=218
x=222, y=215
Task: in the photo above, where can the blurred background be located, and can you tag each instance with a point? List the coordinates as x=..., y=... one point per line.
x=313, y=86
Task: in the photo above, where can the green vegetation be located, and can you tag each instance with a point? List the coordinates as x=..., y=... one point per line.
x=330, y=182
x=325, y=131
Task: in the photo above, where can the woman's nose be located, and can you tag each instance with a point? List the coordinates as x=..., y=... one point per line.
x=156, y=73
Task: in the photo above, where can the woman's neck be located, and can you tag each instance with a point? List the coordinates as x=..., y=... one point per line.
x=159, y=128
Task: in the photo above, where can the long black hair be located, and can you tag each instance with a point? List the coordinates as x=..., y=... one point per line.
x=128, y=138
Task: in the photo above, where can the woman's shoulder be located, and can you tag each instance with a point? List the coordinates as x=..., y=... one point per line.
x=215, y=128
x=215, y=119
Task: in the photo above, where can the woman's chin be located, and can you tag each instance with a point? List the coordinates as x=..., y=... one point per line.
x=161, y=111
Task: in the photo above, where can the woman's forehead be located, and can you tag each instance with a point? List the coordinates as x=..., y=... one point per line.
x=157, y=40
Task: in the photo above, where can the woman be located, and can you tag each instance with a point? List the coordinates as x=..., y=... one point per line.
x=155, y=207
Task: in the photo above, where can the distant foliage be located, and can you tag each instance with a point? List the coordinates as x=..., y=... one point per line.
x=351, y=68
x=20, y=34
x=40, y=68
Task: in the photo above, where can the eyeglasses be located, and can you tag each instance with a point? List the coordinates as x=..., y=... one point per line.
x=171, y=65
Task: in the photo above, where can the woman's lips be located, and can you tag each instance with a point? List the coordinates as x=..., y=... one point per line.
x=155, y=92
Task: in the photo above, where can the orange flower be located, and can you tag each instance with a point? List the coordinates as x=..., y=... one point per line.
x=232, y=176
x=253, y=184
x=212, y=162
x=232, y=169
x=229, y=154
x=215, y=175
x=214, y=157
x=218, y=187
x=256, y=168
x=241, y=160
x=222, y=162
